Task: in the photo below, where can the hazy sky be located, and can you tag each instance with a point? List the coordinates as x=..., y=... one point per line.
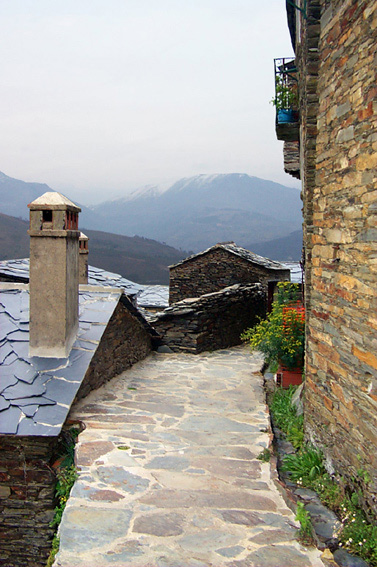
x=99, y=97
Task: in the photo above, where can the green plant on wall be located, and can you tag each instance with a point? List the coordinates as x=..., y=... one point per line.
x=286, y=95
x=280, y=337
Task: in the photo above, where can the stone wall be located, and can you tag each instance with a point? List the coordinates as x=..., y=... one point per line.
x=27, y=481
x=212, y=321
x=126, y=340
x=216, y=270
x=340, y=208
x=291, y=154
x=27, y=490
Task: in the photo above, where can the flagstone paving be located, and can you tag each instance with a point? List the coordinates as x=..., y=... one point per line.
x=168, y=474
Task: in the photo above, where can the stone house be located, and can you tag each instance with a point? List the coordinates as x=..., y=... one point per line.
x=58, y=341
x=335, y=44
x=221, y=266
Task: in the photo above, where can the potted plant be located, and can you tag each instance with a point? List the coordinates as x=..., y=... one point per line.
x=285, y=100
x=280, y=337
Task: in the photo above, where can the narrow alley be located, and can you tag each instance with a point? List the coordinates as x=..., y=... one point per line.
x=169, y=475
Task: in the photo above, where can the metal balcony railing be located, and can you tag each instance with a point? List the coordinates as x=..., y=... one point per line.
x=286, y=99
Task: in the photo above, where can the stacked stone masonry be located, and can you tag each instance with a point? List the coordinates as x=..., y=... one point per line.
x=212, y=321
x=27, y=479
x=338, y=67
x=124, y=342
x=216, y=270
x=27, y=500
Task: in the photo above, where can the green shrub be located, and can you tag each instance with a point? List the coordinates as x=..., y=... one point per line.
x=53, y=552
x=329, y=491
x=66, y=479
x=264, y=456
x=305, y=466
x=358, y=535
x=285, y=416
x=306, y=532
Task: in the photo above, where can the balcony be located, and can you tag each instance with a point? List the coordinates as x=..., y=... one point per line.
x=286, y=100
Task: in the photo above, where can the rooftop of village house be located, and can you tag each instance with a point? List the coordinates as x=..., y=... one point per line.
x=37, y=393
x=237, y=251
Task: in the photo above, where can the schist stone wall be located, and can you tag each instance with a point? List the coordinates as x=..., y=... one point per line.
x=212, y=321
x=125, y=341
x=340, y=208
x=216, y=270
x=27, y=488
x=27, y=480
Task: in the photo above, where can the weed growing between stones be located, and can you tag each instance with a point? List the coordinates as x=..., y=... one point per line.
x=357, y=534
x=66, y=479
x=285, y=416
x=264, y=456
x=306, y=532
x=66, y=476
x=305, y=466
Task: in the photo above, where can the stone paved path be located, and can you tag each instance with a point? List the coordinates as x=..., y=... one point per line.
x=169, y=475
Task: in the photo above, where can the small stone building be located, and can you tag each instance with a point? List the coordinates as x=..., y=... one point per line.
x=335, y=43
x=221, y=266
x=78, y=338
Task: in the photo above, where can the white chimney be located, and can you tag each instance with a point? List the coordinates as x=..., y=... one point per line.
x=54, y=275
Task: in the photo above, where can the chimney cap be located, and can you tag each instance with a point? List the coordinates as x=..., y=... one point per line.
x=83, y=236
x=54, y=201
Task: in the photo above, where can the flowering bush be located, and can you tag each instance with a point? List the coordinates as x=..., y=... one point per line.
x=280, y=337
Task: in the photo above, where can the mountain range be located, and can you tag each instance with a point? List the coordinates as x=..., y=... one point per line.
x=192, y=215
x=199, y=211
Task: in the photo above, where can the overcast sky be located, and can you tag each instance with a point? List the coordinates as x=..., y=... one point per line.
x=99, y=97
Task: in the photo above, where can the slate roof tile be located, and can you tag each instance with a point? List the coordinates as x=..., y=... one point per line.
x=147, y=295
x=9, y=420
x=36, y=393
x=4, y=404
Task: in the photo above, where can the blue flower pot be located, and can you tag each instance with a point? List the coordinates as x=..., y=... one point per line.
x=286, y=116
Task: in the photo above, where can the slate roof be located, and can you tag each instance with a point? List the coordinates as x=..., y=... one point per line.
x=146, y=295
x=237, y=251
x=36, y=393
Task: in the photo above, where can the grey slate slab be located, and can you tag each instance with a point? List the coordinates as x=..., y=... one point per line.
x=7, y=380
x=93, y=334
x=29, y=411
x=61, y=390
x=19, y=335
x=7, y=324
x=25, y=390
x=28, y=426
x=12, y=357
x=9, y=420
x=53, y=415
x=4, y=404
x=26, y=407
x=86, y=345
x=92, y=316
x=42, y=364
x=40, y=400
x=23, y=370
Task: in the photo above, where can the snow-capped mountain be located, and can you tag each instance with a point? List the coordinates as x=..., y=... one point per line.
x=197, y=212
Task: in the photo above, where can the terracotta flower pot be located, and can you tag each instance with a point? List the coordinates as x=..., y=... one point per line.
x=286, y=377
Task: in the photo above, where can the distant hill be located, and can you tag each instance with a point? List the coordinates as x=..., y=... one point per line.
x=199, y=211
x=288, y=248
x=193, y=214
x=139, y=259
x=14, y=239
x=15, y=195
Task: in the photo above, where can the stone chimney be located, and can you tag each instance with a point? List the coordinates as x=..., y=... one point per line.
x=83, y=258
x=54, y=275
